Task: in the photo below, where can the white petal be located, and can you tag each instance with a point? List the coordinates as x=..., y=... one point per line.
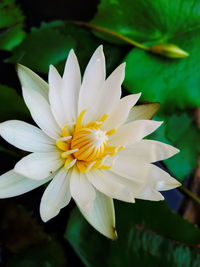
x=39, y=165
x=56, y=196
x=133, y=132
x=26, y=136
x=41, y=112
x=114, y=185
x=13, y=184
x=149, y=151
x=143, y=112
x=148, y=174
x=149, y=193
x=82, y=191
x=161, y=180
x=70, y=87
x=120, y=113
x=31, y=80
x=102, y=216
x=108, y=96
x=93, y=79
x=131, y=168
x=55, y=98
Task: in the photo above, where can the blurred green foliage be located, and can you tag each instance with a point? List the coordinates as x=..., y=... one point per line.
x=11, y=25
x=51, y=43
x=154, y=22
x=150, y=234
x=12, y=105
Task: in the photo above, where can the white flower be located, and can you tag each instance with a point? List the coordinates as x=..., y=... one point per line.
x=86, y=145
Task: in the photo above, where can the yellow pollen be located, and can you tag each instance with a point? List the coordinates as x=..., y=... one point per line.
x=90, y=143
x=86, y=145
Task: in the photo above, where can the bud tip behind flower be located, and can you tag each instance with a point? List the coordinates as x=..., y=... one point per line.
x=168, y=50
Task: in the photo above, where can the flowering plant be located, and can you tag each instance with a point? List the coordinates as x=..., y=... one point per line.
x=90, y=146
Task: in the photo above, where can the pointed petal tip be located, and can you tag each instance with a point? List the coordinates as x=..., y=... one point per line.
x=20, y=67
x=100, y=47
x=44, y=219
x=51, y=67
x=176, y=150
x=159, y=123
x=114, y=235
x=71, y=53
x=138, y=95
x=123, y=65
x=177, y=184
x=99, y=50
x=47, y=213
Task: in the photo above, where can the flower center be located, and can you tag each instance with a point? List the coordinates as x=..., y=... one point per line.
x=91, y=144
x=86, y=146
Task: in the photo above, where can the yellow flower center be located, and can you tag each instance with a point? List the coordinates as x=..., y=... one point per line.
x=91, y=144
x=86, y=146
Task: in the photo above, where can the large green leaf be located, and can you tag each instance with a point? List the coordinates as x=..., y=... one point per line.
x=42, y=47
x=149, y=235
x=174, y=83
x=11, y=25
x=180, y=131
x=12, y=105
x=51, y=43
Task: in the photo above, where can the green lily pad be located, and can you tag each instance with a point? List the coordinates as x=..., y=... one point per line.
x=173, y=82
x=12, y=105
x=11, y=25
x=51, y=43
x=149, y=235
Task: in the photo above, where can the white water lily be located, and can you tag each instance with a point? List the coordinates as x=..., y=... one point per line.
x=88, y=146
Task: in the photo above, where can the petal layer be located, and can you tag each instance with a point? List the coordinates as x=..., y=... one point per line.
x=38, y=166
x=93, y=79
x=55, y=98
x=13, y=184
x=41, y=112
x=149, y=151
x=70, y=87
x=120, y=113
x=82, y=191
x=32, y=81
x=148, y=174
x=102, y=215
x=56, y=196
x=108, y=96
x=133, y=132
x=113, y=185
x=143, y=112
x=26, y=136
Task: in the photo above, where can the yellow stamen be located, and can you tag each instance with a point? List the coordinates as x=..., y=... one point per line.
x=69, y=163
x=94, y=124
x=86, y=145
x=104, y=167
x=104, y=117
x=111, y=132
x=62, y=143
x=81, y=165
x=79, y=122
x=65, y=131
x=65, y=154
